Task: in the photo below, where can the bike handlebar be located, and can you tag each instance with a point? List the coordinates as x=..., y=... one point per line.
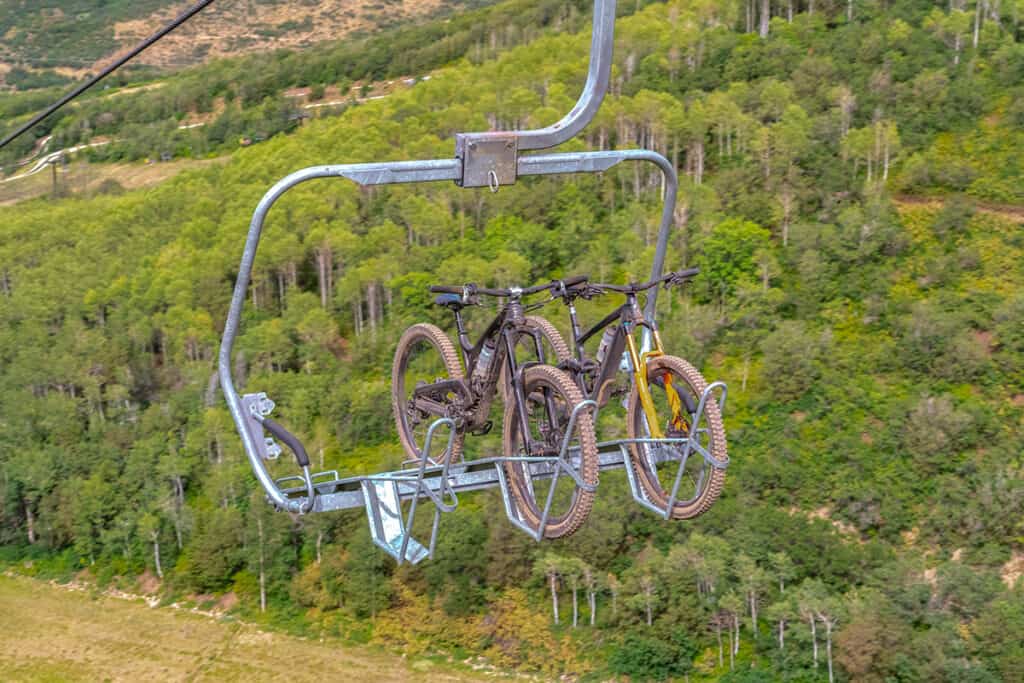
x=470, y=288
x=675, y=278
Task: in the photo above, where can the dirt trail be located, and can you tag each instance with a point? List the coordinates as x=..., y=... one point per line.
x=52, y=633
x=1013, y=212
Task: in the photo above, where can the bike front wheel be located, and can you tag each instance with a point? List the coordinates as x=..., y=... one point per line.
x=657, y=475
x=551, y=397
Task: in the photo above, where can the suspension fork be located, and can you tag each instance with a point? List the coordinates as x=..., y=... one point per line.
x=643, y=388
x=675, y=403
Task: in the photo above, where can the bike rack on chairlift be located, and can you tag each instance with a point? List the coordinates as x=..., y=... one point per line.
x=490, y=159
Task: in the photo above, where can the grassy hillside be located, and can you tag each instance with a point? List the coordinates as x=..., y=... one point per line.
x=59, y=634
x=44, y=40
x=873, y=349
x=209, y=109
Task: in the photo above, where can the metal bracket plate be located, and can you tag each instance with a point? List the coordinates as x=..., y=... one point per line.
x=488, y=159
x=254, y=406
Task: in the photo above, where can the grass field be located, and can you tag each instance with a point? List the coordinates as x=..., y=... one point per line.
x=81, y=177
x=50, y=633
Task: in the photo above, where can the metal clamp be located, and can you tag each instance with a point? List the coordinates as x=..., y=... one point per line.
x=686, y=446
x=383, y=499
x=562, y=463
x=488, y=159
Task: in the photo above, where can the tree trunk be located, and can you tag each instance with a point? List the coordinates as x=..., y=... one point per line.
x=766, y=12
x=593, y=607
x=718, y=636
x=828, y=649
x=732, y=647
x=319, y=543
x=782, y=634
x=753, y=612
x=736, y=624
x=263, y=574
x=156, y=555
x=30, y=522
x=575, y=607
x=814, y=640
x=885, y=157
x=371, y=306
x=323, y=265
x=698, y=170
x=978, y=18
x=177, y=529
x=552, y=579
x=849, y=10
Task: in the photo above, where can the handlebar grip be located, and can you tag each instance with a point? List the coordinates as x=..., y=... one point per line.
x=289, y=439
x=575, y=280
x=689, y=272
x=445, y=289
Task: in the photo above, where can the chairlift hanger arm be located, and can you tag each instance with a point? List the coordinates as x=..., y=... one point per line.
x=490, y=159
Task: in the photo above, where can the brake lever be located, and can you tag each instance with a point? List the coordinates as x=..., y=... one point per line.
x=676, y=281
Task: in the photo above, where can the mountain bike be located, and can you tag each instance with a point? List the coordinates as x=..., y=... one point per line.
x=545, y=415
x=667, y=404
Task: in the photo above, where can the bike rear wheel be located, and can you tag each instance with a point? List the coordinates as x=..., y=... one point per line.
x=571, y=504
x=425, y=355
x=657, y=480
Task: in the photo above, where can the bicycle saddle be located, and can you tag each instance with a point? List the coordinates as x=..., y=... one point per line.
x=452, y=301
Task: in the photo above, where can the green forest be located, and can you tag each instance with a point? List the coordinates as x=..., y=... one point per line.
x=851, y=190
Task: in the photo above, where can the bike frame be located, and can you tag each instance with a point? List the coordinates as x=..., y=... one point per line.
x=630, y=317
x=505, y=330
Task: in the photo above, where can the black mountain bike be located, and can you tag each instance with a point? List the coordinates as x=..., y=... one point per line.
x=541, y=415
x=664, y=401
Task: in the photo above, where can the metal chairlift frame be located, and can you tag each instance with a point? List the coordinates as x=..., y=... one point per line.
x=489, y=159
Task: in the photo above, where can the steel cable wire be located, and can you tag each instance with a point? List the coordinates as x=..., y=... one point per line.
x=138, y=49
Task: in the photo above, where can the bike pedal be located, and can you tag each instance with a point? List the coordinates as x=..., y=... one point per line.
x=483, y=430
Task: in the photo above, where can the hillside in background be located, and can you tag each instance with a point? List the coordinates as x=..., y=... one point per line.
x=45, y=43
x=851, y=194
x=209, y=110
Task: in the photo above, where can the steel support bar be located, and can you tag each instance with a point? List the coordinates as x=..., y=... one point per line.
x=475, y=475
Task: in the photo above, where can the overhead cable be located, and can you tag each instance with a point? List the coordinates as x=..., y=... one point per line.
x=145, y=44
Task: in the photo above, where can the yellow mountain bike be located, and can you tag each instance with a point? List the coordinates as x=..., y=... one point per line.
x=664, y=406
